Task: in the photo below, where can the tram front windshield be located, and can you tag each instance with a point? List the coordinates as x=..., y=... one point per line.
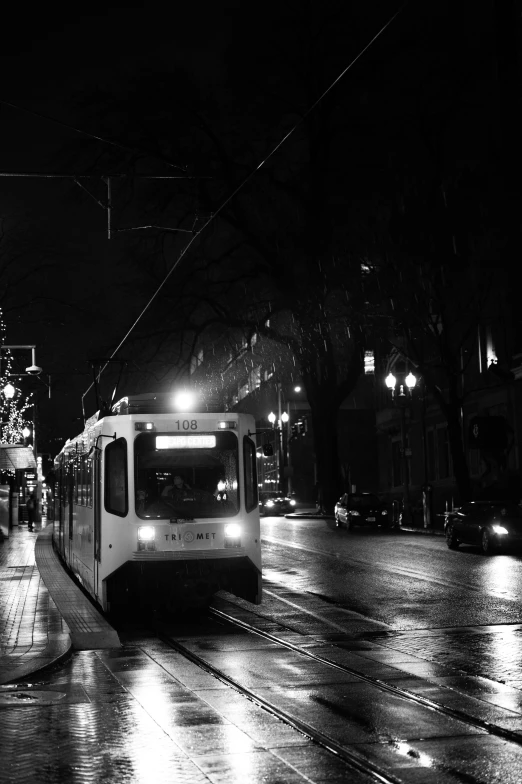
x=186, y=476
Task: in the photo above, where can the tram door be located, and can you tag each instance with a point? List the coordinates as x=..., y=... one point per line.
x=69, y=505
x=96, y=504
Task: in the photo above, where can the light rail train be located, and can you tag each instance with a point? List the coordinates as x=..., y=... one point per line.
x=159, y=509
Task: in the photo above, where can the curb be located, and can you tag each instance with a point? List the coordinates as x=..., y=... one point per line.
x=308, y=516
x=57, y=650
x=398, y=529
x=423, y=531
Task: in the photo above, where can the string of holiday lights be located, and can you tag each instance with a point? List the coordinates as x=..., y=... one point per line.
x=13, y=403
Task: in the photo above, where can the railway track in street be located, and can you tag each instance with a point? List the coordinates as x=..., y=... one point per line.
x=374, y=770
x=351, y=758
x=492, y=729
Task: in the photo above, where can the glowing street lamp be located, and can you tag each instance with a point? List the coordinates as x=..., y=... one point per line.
x=401, y=399
x=184, y=401
x=9, y=391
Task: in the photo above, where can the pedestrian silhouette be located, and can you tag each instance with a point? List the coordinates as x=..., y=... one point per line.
x=31, y=511
x=319, y=498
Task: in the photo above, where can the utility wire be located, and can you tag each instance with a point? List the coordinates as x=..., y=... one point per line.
x=87, y=133
x=51, y=175
x=244, y=181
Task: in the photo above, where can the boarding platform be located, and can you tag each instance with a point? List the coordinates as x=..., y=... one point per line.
x=44, y=615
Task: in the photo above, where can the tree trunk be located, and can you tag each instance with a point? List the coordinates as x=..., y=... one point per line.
x=324, y=413
x=458, y=456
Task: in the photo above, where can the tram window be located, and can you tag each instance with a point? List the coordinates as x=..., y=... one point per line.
x=116, y=489
x=88, y=480
x=184, y=480
x=85, y=486
x=80, y=475
x=76, y=480
x=249, y=457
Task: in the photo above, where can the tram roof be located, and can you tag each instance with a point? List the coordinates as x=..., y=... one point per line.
x=161, y=403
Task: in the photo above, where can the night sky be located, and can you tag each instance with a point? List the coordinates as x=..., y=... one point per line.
x=53, y=63
x=50, y=61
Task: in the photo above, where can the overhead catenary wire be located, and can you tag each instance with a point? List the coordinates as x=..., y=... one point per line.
x=246, y=179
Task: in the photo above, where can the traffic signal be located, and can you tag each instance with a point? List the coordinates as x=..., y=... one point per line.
x=294, y=431
x=302, y=427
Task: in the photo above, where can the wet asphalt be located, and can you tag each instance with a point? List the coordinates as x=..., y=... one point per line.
x=398, y=610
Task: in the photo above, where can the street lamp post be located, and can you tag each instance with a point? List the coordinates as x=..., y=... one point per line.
x=402, y=397
x=279, y=439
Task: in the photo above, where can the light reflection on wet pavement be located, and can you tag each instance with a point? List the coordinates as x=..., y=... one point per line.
x=144, y=713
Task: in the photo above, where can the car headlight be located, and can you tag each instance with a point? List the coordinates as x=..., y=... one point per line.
x=355, y=513
x=146, y=537
x=499, y=529
x=232, y=535
x=269, y=503
x=292, y=503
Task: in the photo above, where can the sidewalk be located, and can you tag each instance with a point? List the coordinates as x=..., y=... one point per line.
x=33, y=634
x=44, y=614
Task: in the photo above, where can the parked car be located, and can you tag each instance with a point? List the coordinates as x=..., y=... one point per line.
x=272, y=502
x=360, y=509
x=490, y=525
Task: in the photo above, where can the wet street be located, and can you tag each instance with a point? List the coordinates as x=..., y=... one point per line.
x=375, y=656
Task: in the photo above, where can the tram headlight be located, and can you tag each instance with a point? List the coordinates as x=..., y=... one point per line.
x=232, y=535
x=146, y=537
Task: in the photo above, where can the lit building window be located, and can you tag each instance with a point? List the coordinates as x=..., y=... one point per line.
x=369, y=362
x=196, y=360
x=254, y=379
x=491, y=354
x=487, y=354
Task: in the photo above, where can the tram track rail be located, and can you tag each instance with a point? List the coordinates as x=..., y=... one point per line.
x=351, y=757
x=433, y=705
